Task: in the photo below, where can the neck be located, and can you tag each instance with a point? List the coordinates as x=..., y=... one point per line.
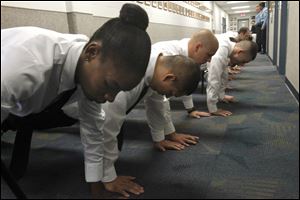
x=190, y=49
x=233, y=51
x=157, y=71
x=78, y=69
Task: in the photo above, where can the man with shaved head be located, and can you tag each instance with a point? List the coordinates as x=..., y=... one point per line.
x=200, y=47
x=229, y=53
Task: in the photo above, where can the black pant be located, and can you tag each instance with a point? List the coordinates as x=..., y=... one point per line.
x=258, y=37
x=263, y=39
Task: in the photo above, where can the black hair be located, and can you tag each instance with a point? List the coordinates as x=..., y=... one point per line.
x=243, y=30
x=125, y=41
x=187, y=72
x=250, y=48
x=262, y=4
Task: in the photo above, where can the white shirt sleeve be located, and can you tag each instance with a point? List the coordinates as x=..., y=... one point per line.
x=115, y=117
x=158, y=116
x=6, y=104
x=214, y=80
x=188, y=101
x=91, y=118
x=169, y=126
x=18, y=79
x=224, y=82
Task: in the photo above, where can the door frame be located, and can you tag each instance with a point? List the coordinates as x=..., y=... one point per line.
x=283, y=37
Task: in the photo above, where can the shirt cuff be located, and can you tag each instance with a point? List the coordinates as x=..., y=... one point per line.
x=222, y=95
x=169, y=128
x=212, y=107
x=109, y=173
x=188, y=102
x=158, y=136
x=93, y=172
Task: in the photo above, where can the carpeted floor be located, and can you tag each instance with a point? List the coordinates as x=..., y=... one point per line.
x=252, y=154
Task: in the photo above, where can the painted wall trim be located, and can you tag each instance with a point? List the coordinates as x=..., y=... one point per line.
x=292, y=89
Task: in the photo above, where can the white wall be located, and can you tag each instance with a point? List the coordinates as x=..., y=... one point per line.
x=59, y=6
x=111, y=9
x=247, y=16
x=278, y=39
x=292, y=54
x=271, y=33
x=218, y=13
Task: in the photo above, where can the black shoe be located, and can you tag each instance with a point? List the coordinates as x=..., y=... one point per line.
x=262, y=52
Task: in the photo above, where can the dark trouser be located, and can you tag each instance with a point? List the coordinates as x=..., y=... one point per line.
x=258, y=37
x=24, y=127
x=263, y=39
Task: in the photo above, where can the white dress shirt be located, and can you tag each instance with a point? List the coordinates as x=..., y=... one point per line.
x=157, y=111
x=36, y=66
x=233, y=34
x=217, y=72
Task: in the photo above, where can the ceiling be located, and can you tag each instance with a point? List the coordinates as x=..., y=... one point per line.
x=228, y=7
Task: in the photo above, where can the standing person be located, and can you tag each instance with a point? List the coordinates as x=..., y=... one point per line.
x=258, y=25
x=40, y=69
x=264, y=21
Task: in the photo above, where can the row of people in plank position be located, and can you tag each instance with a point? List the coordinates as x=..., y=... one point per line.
x=48, y=76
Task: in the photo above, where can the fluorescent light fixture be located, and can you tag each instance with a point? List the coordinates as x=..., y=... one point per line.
x=233, y=2
x=242, y=11
x=239, y=7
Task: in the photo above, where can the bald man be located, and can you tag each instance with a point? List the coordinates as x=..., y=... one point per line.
x=200, y=47
x=229, y=53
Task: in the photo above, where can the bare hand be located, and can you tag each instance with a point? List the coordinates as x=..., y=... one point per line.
x=221, y=112
x=184, y=139
x=231, y=77
x=198, y=114
x=229, y=99
x=168, y=145
x=123, y=185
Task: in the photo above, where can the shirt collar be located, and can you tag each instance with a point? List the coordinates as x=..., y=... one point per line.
x=184, y=43
x=151, y=66
x=67, y=80
x=231, y=46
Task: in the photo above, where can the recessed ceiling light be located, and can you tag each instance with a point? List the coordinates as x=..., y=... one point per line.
x=239, y=7
x=233, y=2
x=242, y=11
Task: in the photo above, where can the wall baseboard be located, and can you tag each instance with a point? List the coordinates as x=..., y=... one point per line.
x=292, y=88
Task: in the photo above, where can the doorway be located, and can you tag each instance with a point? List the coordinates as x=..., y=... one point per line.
x=243, y=23
x=223, y=25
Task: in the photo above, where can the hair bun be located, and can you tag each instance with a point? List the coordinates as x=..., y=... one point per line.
x=134, y=15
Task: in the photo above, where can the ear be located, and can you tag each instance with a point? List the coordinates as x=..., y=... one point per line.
x=169, y=77
x=92, y=50
x=238, y=50
x=198, y=45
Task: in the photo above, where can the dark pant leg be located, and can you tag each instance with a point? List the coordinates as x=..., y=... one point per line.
x=263, y=39
x=24, y=127
x=258, y=37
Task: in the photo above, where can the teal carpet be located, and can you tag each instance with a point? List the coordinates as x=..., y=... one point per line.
x=252, y=154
